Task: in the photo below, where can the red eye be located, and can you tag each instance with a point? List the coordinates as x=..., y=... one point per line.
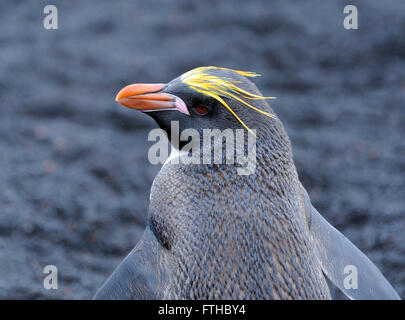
x=202, y=110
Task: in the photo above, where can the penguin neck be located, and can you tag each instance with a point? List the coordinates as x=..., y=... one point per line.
x=271, y=143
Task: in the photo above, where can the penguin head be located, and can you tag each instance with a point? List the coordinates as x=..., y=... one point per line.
x=203, y=98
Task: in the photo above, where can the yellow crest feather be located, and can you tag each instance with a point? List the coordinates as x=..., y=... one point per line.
x=216, y=87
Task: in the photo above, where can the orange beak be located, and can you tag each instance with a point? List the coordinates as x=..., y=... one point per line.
x=148, y=97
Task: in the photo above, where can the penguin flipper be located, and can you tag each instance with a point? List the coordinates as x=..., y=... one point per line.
x=141, y=275
x=343, y=262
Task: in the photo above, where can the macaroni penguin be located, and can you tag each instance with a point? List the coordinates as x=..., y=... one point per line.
x=216, y=233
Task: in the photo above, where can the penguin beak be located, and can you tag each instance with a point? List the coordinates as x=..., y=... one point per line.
x=149, y=97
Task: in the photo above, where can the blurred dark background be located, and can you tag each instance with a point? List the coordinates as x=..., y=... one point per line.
x=74, y=175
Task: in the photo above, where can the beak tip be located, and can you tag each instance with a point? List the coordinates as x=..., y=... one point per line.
x=119, y=96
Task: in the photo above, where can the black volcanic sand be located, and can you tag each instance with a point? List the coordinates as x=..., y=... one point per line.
x=74, y=175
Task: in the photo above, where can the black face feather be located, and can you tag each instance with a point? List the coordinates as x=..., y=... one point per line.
x=216, y=115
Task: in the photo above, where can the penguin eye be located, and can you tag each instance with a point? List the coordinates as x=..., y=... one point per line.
x=202, y=110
